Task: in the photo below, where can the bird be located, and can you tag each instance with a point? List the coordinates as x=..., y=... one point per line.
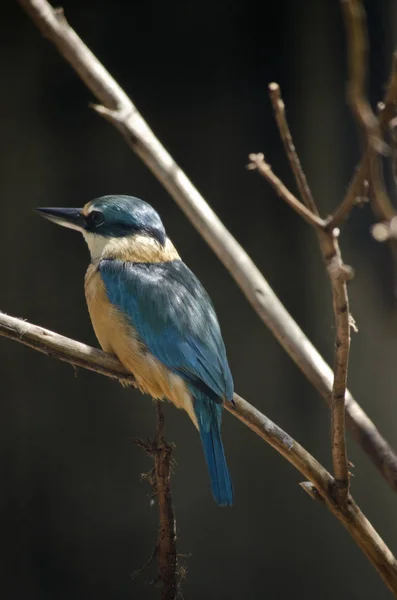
x=150, y=310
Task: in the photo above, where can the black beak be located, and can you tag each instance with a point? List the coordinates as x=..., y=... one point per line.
x=67, y=217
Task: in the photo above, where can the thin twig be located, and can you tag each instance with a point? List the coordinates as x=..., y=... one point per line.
x=289, y=147
x=145, y=566
x=357, y=48
x=58, y=346
x=356, y=35
x=258, y=162
x=236, y=260
x=344, y=209
x=338, y=274
x=349, y=515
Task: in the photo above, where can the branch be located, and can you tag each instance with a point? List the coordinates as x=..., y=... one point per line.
x=338, y=274
x=372, y=127
x=289, y=147
x=258, y=162
x=63, y=348
x=356, y=34
x=256, y=289
x=166, y=551
x=349, y=515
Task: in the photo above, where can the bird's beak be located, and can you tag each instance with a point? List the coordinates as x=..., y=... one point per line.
x=67, y=217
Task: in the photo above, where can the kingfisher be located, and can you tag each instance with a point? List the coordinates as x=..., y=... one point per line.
x=151, y=311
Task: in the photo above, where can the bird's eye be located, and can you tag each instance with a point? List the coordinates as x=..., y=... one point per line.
x=95, y=218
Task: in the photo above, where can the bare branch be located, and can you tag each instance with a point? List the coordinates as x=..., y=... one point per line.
x=241, y=267
x=356, y=35
x=289, y=147
x=339, y=273
x=62, y=348
x=258, y=163
x=357, y=48
x=354, y=191
x=349, y=515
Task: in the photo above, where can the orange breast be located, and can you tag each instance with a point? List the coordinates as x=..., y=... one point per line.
x=116, y=335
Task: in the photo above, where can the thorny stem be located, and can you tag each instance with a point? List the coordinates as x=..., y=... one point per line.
x=160, y=478
x=166, y=547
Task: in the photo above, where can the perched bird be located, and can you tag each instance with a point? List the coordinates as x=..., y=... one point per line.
x=151, y=311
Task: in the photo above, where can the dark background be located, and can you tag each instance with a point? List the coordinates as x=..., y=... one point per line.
x=75, y=516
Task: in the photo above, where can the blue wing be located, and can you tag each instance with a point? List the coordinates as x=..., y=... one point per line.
x=174, y=318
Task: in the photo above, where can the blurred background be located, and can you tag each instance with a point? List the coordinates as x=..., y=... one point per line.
x=75, y=517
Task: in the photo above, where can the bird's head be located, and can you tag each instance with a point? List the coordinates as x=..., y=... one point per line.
x=115, y=226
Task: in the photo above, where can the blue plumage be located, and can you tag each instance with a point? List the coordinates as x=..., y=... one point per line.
x=175, y=319
x=209, y=417
x=124, y=215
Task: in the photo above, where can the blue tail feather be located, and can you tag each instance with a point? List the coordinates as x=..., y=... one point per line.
x=209, y=417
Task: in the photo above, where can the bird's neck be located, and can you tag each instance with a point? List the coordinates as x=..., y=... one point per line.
x=135, y=248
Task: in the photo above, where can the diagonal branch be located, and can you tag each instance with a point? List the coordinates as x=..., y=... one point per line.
x=349, y=515
x=258, y=162
x=64, y=349
x=256, y=289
